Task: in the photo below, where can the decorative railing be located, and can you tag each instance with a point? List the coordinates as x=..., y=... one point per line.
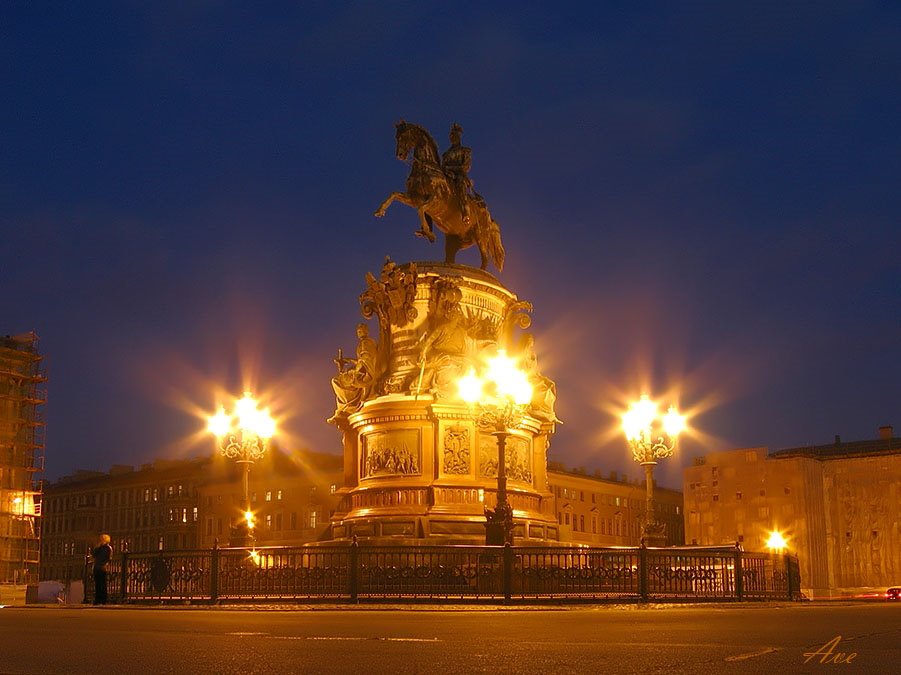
x=357, y=573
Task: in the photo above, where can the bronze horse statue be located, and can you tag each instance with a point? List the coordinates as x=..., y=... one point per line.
x=430, y=192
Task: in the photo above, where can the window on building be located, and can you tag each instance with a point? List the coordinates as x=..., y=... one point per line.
x=716, y=498
x=581, y=495
x=738, y=496
x=269, y=495
x=268, y=521
x=332, y=488
x=617, y=501
x=715, y=483
x=763, y=512
x=278, y=521
x=581, y=523
x=293, y=521
x=156, y=494
x=278, y=495
x=180, y=490
x=788, y=490
x=253, y=496
x=594, y=525
x=678, y=510
x=566, y=519
x=593, y=498
x=763, y=493
x=194, y=515
x=209, y=526
x=170, y=491
x=313, y=517
x=147, y=495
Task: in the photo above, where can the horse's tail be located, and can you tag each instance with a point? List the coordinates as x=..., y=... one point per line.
x=493, y=244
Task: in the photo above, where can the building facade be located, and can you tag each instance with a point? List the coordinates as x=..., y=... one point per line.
x=291, y=497
x=838, y=506
x=610, y=511
x=22, y=394
x=185, y=504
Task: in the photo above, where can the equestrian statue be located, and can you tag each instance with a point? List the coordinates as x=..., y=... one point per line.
x=440, y=189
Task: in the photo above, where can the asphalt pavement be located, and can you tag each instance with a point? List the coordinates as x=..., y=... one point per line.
x=748, y=638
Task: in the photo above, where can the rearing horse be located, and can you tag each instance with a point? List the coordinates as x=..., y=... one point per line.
x=429, y=191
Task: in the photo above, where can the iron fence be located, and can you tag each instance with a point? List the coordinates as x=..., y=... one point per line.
x=360, y=573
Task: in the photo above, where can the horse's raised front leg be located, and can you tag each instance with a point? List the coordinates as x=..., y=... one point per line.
x=425, y=226
x=394, y=196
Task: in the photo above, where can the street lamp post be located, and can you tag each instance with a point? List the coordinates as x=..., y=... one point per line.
x=499, y=401
x=651, y=437
x=244, y=437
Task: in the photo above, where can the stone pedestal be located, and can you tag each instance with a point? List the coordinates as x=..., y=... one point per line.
x=416, y=466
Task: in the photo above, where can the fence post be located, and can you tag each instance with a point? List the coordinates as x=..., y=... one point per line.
x=85, y=576
x=123, y=575
x=786, y=562
x=214, y=572
x=508, y=572
x=354, y=569
x=643, y=591
x=739, y=576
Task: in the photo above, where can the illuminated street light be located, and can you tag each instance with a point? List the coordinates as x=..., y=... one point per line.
x=651, y=437
x=776, y=542
x=498, y=400
x=243, y=436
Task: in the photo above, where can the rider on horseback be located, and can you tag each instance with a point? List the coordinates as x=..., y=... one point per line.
x=456, y=162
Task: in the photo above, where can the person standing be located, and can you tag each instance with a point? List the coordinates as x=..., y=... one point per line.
x=101, y=555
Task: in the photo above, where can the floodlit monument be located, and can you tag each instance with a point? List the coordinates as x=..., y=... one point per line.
x=418, y=465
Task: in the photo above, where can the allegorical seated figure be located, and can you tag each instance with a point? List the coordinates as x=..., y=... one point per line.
x=356, y=378
x=544, y=390
x=443, y=349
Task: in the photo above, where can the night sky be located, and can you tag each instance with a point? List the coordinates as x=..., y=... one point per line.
x=701, y=201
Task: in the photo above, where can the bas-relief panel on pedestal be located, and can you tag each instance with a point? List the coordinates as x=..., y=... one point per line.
x=456, y=456
x=518, y=458
x=392, y=453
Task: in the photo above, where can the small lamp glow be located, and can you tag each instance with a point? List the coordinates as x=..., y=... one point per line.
x=776, y=542
x=471, y=387
x=673, y=422
x=220, y=423
x=510, y=381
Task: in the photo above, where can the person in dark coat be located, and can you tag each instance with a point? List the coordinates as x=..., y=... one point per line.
x=101, y=556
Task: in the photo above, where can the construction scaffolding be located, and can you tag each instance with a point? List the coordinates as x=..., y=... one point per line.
x=22, y=392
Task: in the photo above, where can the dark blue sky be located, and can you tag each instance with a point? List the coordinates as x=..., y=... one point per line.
x=700, y=199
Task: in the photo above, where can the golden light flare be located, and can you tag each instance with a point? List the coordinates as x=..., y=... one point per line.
x=249, y=519
x=511, y=382
x=629, y=411
x=220, y=423
x=247, y=418
x=170, y=378
x=776, y=541
x=502, y=380
x=471, y=387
